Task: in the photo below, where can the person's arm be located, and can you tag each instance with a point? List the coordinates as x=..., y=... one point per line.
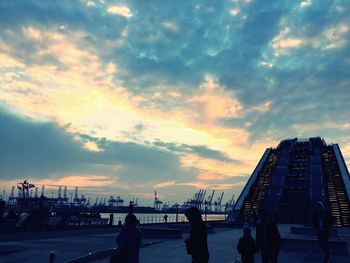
x=256, y=249
x=195, y=242
x=239, y=246
x=118, y=239
x=330, y=220
x=136, y=240
x=315, y=222
x=258, y=237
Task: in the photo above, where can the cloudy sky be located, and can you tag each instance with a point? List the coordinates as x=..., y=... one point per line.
x=124, y=97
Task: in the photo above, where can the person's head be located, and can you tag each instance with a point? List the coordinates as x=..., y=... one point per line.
x=131, y=221
x=193, y=215
x=247, y=230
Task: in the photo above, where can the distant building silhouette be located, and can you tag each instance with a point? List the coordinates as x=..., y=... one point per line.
x=290, y=179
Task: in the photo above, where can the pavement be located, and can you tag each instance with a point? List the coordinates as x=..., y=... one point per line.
x=69, y=245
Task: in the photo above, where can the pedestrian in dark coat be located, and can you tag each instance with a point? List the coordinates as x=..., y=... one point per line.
x=197, y=244
x=322, y=222
x=268, y=238
x=129, y=240
x=246, y=246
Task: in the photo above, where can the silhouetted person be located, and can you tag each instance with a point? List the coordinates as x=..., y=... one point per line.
x=322, y=221
x=165, y=218
x=246, y=246
x=2, y=211
x=131, y=208
x=129, y=240
x=197, y=245
x=268, y=238
x=255, y=218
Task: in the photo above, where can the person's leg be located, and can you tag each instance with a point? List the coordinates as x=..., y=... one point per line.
x=200, y=260
x=247, y=258
x=274, y=256
x=326, y=246
x=264, y=256
x=323, y=240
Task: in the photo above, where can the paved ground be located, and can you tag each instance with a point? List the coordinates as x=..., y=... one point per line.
x=222, y=246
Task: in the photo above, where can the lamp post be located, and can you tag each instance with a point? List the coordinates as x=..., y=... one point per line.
x=177, y=212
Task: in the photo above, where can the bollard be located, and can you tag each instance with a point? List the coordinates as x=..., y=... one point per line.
x=111, y=219
x=52, y=257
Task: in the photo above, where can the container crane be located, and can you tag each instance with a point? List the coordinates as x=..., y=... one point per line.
x=209, y=201
x=218, y=203
x=157, y=202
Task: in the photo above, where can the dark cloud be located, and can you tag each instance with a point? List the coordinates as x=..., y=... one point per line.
x=200, y=150
x=34, y=149
x=43, y=150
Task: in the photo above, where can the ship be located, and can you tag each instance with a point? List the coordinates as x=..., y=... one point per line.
x=35, y=212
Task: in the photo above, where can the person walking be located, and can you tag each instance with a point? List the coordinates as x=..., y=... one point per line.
x=197, y=244
x=129, y=240
x=322, y=221
x=246, y=246
x=268, y=238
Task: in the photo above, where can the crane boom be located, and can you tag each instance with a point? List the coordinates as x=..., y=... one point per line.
x=219, y=201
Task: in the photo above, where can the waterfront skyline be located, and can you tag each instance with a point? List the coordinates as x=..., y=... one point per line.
x=124, y=97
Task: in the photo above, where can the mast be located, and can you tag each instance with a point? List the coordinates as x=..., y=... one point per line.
x=65, y=198
x=59, y=196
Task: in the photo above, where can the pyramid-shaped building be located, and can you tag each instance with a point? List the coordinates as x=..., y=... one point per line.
x=289, y=180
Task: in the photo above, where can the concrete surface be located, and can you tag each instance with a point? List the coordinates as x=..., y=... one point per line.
x=222, y=247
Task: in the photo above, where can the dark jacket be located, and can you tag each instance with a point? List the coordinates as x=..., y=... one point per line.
x=129, y=241
x=197, y=244
x=247, y=248
x=325, y=217
x=268, y=237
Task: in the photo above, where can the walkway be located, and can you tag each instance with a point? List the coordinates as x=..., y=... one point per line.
x=70, y=245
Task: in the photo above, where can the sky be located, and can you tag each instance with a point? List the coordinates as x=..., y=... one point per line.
x=127, y=97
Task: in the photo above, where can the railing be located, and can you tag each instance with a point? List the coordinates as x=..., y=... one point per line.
x=179, y=219
x=171, y=218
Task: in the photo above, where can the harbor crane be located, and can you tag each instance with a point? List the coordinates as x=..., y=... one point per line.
x=218, y=203
x=157, y=202
x=208, y=203
x=229, y=204
x=76, y=197
x=23, y=188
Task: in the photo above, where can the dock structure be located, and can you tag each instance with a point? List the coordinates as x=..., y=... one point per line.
x=289, y=181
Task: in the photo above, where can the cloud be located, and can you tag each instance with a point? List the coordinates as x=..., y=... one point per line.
x=234, y=11
x=200, y=185
x=305, y=3
x=35, y=149
x=81, y=181
x=182, y=92
x=119, y=10
x=165, y=184
x=200, y=150
x=45, y=150
x=90, y=4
